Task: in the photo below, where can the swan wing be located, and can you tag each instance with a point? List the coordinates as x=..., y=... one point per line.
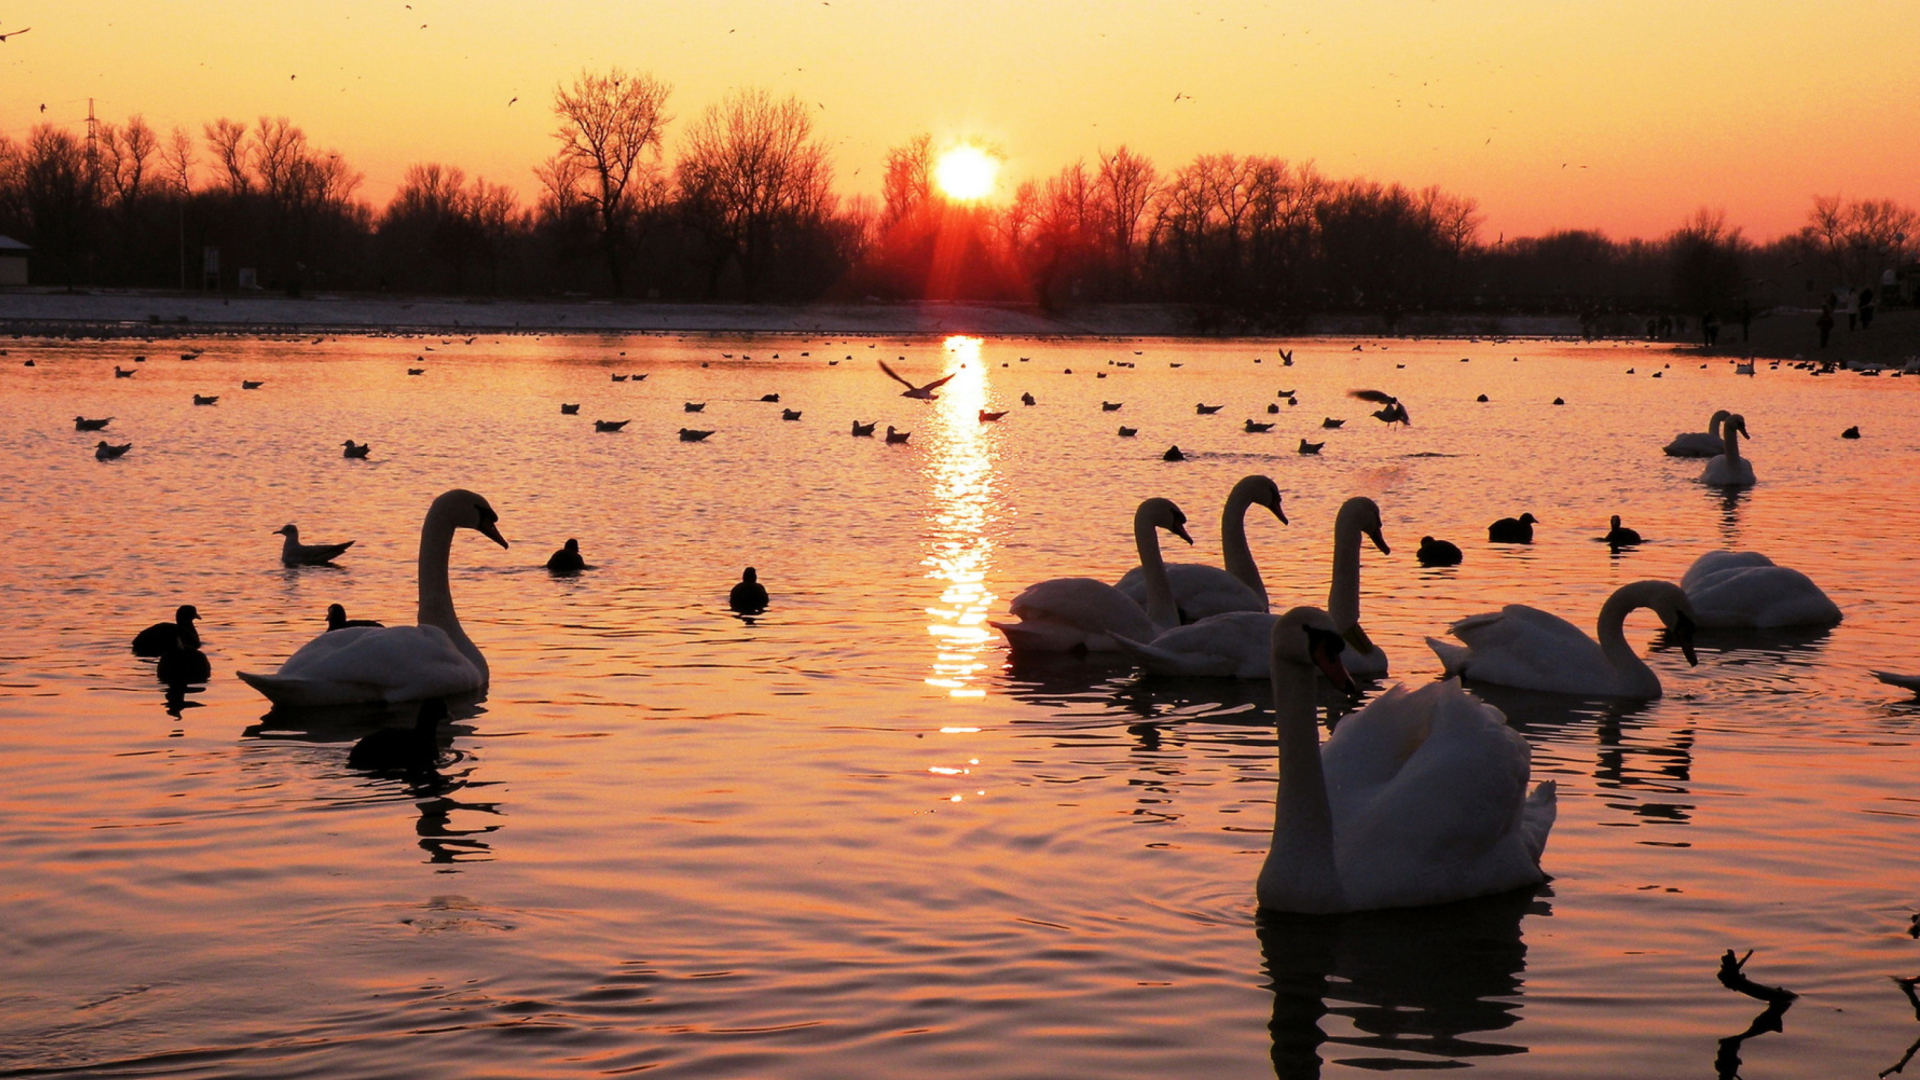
x=368, y=663
x=1234, y=645
x=1905, y=682
x=1199, y=590
x=1448, y=821
x=1061, y=614
x=1525, y=647
x=1696, y=444
x=1760, y=597
x=1713, y=562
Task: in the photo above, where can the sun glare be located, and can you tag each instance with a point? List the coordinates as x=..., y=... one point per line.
x=966, y=173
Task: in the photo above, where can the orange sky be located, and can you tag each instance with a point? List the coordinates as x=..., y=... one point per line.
x=1622, y=115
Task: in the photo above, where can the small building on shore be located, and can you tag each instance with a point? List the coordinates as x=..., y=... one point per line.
x=13, y=261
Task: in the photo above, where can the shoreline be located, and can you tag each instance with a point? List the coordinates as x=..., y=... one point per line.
x=36, y=312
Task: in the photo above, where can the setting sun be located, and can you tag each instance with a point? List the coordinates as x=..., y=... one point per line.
x=966, y=173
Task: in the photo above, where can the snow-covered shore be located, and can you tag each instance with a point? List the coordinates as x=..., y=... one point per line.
x=106, y=312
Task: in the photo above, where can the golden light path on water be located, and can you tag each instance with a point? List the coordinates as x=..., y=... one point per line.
x=960, y=473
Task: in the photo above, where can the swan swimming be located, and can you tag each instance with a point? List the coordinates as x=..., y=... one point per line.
x=1358, y=516
x=1200, y=590
x=1730, y=469
x=396, y=663
x=1531, y=649
x=1699, y=443
x=1080, y=614
x=1746, y=590
x=1419, y=798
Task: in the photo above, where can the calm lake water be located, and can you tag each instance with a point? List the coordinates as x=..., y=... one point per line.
x=848, y=839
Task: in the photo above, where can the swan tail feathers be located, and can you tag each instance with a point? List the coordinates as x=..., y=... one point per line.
x=305, y=693
x=1453, y=658
x=1536, y=818
x=1161, y=661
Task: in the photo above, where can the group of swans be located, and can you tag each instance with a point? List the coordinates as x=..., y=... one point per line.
x=1189, y=618
x=1721, y=443
x=1236, y=644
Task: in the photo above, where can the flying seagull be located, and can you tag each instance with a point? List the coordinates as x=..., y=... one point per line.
x=1393, y=413
x=923, y=393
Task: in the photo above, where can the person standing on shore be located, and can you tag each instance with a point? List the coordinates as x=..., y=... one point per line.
x=1745, y=315
x=1852, y=310
x=1825, y=322
x=1866, y=308
x=1710, y=328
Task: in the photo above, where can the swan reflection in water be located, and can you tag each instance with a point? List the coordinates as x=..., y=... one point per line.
x=430, y=785
x=1409, y=988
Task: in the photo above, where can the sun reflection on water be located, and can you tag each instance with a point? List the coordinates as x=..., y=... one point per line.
x=960, y=550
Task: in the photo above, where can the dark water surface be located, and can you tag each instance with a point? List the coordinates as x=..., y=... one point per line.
x=848, y=838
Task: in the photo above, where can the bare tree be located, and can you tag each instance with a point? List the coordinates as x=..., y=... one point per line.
x=228, y=141
x=608, y=125
x=908, y=185
x=126, y=152
x=1128, y=183
x=752, y=173
x=177, y=155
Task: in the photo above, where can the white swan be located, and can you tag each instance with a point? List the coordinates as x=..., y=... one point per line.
x=1699, y=443
x=1744, y=589
x=1525, y=647
x=1358, y=516
x=396, y=663
x=1230, y=645
x=1200, y=590
x=1730, y=469
x=1419, y=798
x=1078, y=614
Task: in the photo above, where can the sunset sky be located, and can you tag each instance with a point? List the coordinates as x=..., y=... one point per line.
x=1622, y=115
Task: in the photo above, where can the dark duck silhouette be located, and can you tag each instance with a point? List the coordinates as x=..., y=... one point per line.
x=1437, y=552
x=397, y=749
x=567, y=560
x=749, y=597
x=1619, y=536
x=337, y=619
x=179, y=633
x=1512, y=530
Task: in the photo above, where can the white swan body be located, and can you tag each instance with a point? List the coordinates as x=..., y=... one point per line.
x=1359, y=516
x=1419, y=798
x=1745, y=590
x=1699, y=443
x=1200, y=590
x=1730, y=469
x=1231, y=645
x=396, y=663
x=1082, y=615
x=1531, y=649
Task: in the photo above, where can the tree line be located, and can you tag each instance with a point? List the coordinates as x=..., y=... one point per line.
x=744, y=208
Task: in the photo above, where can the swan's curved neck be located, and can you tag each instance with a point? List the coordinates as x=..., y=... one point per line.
x=1233, y=542
x=1731, y=437
x=1634, y=674
x=1162, y=611
x=1300, y=873
x=1343, y=599
x=436, y=596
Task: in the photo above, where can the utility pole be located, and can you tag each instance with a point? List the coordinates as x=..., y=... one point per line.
x=93, y=144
